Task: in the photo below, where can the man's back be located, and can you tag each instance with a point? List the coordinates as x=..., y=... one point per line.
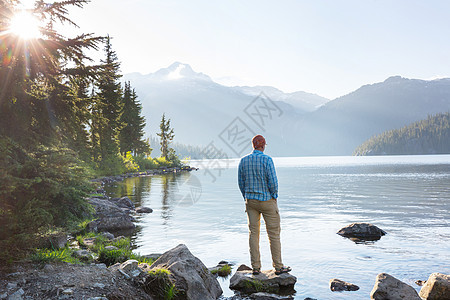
x=257, y=177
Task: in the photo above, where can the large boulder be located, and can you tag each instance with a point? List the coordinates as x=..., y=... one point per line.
x=189, y=274
x=266, y=281
x=110, y=217
x=436, y=287
x=362, y=231
x=388, y=287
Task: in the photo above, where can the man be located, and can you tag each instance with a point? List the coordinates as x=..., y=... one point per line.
x=259, y=186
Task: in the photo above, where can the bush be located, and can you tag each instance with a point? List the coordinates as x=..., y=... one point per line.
x=39, y=189
x=44, y=256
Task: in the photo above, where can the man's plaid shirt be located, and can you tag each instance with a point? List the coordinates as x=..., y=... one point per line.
x=257, y=177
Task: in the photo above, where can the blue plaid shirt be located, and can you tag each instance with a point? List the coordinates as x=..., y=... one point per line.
x=257, y=177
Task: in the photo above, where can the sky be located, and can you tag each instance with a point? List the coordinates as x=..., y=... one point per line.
x=326, y=47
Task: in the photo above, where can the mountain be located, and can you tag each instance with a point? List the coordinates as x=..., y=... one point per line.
x=295, y=124
x=339, y=126
x=429, y=136
x=201, y=110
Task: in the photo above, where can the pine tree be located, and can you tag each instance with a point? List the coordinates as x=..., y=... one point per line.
x=166, y=136
x=131, y=135
x=108, y=107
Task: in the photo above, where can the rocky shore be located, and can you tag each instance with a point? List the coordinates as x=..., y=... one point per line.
x=176, y=274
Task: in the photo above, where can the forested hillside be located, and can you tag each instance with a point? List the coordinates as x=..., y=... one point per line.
x=429, y=136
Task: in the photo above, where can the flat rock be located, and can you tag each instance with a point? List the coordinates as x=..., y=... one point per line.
x=268, y=296
x=266, y=281
x=123, y=202
x=388, y=287
x=337, y=285
x=189, y=274
x=362, y=231
x=436, y=287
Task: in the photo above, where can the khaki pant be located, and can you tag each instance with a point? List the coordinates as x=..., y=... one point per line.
x=271, y=215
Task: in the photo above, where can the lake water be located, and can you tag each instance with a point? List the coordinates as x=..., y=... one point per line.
x=407, y=196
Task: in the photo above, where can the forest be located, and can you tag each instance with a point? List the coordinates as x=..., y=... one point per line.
x=64, y=119
x=429, y=136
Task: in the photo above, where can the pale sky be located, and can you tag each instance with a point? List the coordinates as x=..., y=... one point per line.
x=326, y=47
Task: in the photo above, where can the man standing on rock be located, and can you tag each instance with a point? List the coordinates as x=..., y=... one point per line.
x=259, y=186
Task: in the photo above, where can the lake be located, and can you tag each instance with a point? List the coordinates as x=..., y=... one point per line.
x=407, y=196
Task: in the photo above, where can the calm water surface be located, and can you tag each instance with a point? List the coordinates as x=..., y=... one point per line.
x=407, y=196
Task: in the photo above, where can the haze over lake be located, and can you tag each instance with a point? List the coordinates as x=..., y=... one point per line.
x=407, y=196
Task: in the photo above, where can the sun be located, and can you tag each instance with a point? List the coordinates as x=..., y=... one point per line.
x=25, y=25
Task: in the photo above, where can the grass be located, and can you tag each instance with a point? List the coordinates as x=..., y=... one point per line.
x=159, y=285
x=223, y=271
x=43, y=256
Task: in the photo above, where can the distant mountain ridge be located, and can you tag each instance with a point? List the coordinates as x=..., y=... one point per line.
x=201, y=109
x=429, y=136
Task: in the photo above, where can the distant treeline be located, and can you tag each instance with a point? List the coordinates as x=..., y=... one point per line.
x=182, y=150
x=429, y=136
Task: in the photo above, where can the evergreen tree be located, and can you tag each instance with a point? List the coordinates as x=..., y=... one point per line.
x=108, y=106
x=131, y=135
x=166, y=136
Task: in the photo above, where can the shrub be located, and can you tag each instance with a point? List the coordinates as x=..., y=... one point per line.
x=159, y=285
x=43, y=256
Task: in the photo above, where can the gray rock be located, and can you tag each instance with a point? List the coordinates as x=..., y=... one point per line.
x=98, y=285
x=244, y=268
x=109, y=248
x=11, y=285
x=189, y=274
x=268, y=296
x=144, y=210
x=108, y=235
x=109, y=216
x=97, y=298
x=82, y=254
x=388, y=287
x=337, y=285
x=67, y=292
x=54, y=241
x=436, y=287
x=123, y=202
x=152, y=256
x=17, y=295
x=130, y=267
x=4, y=295
x=362, y=231
x=266, y=281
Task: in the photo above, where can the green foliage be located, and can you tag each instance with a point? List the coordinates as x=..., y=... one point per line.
x=131, y=135
x=429, y=136
x=159, y=285
x=43, y=256
x=166, y=136
x=40, y=189
x=110, y=257
x=223, y=271
x=141, y=259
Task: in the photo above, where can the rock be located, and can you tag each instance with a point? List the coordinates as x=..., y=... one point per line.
x=362, y=231
x=144, y=210
x=108, y=235
x=99, y=285
x=97, y=298
x=109, y=216
x=266, y=281
x=11, y=286
x=130, y=267
x=53, y=241
x=4, y=295
x=68, y=292
x=420, y=282
x=189, y=274
x=82, y=254
x=17, y=295
x=123, y=202
x=267, y=296
x=244, y=268
x=153, y=256
x=89, y=242
x=337, y=285
x=388, y=287
x=110, y=248
x=436, y=287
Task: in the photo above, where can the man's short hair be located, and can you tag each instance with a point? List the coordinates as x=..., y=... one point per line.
x=258, y=141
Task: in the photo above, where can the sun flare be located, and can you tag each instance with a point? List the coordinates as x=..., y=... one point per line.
x=25, y=25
